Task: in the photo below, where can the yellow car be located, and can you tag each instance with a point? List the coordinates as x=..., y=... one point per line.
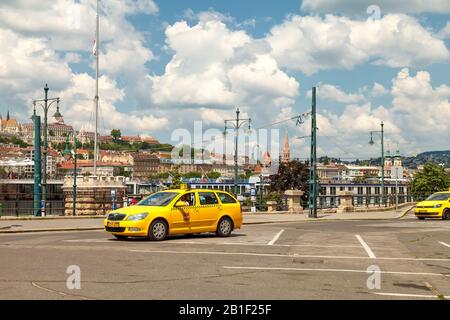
x=435, y=206
x=180, y=211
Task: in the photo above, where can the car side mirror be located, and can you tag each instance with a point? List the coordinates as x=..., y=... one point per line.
x=180, y=204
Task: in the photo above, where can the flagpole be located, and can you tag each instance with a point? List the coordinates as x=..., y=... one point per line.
x=96, y=92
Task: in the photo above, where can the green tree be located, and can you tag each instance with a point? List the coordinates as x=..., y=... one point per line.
x=214, y=175
x=116, y=134
x=193, y=174
x=3, y=173
x=176, y=179
x=431, y=179
x=293, y=175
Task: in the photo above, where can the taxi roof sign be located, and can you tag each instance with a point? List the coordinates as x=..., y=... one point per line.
x=184, y=186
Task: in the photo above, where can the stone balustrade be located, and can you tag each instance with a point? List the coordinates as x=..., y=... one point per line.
x=93, y=194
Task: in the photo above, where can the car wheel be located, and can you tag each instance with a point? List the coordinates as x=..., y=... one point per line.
x=119, y=237
x=158, y=230
x=446, y=215
x=224, y=227
x=421, y=218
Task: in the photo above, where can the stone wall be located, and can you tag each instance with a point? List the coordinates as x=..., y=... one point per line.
x=93, y=194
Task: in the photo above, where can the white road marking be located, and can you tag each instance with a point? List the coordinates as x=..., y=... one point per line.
x=200, y=242
x=284, y=255
x=366, y=247
x=275, y=239
x=408, y=295
x=444, y=244
x=337, y=270
x=214, y=253
x=87, y=240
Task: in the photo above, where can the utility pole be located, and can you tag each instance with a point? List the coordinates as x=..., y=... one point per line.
x=67, y=154
x=396, y=189
x=46, y=106
x=97, y=36
x=236, y=124
x=313, y=160
x=75, y=156
x=261, y=181
x=371, y=142
x=37, y=164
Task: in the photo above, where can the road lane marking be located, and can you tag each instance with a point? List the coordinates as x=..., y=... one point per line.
x=366, y=247
x=285, y=255
x=408, y=295
x=200, y=242
x=88, y=240
x=336, y=270
x=444, y=244
x=214, y=253
x=275, y=239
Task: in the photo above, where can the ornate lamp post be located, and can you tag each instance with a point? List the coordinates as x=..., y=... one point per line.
x=261, y=185
x=46, y=103
x=236, y=124
x=371, y=142
x=67, y=154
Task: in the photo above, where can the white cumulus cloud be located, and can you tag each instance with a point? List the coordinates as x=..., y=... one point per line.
x=313, y=43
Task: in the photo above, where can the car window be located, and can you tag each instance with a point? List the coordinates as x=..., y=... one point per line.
x=438, y=197
x=189, y=198
x=226, y=198
x=159, y=199
x=207, y=198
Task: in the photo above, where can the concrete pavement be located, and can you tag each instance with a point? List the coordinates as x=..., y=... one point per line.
x=295, y=260
x=96, y=223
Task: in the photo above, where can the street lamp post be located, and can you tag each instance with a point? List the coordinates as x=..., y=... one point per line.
x=75, y=156
x=236, y=124
x=261, y=185
x=396, y=189
x=46, y=106
x=313, y=188
x=371, y=142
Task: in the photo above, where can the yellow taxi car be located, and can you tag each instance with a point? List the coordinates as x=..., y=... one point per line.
x=180, y=211
x=435, y=206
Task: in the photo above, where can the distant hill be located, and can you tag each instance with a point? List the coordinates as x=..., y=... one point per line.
x=438, y=157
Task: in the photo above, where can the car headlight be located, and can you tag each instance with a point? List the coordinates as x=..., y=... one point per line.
x=437, y=205
x=137, y=217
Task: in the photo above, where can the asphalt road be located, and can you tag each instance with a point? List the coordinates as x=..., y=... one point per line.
x=302, y=260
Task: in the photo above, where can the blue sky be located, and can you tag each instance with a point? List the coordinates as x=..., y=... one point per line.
x=167, y=63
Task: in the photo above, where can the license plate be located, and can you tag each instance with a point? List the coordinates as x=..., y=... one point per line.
x=423, y=211
x=113, y=224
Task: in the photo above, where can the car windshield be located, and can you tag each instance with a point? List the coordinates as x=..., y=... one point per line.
x=159, y=199
x=438, y=197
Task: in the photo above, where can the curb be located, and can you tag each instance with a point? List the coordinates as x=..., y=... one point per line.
x=50, y=230
x=50, y=218
x=402, y=215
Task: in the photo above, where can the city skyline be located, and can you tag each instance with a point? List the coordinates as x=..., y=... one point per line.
x=264, y=66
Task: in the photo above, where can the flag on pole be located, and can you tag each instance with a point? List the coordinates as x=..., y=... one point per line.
x=94, y=49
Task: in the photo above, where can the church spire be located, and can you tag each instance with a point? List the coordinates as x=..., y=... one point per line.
x=7, y=116
x=286, y=149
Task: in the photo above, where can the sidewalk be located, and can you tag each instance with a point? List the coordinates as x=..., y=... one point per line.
x=20, y=225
